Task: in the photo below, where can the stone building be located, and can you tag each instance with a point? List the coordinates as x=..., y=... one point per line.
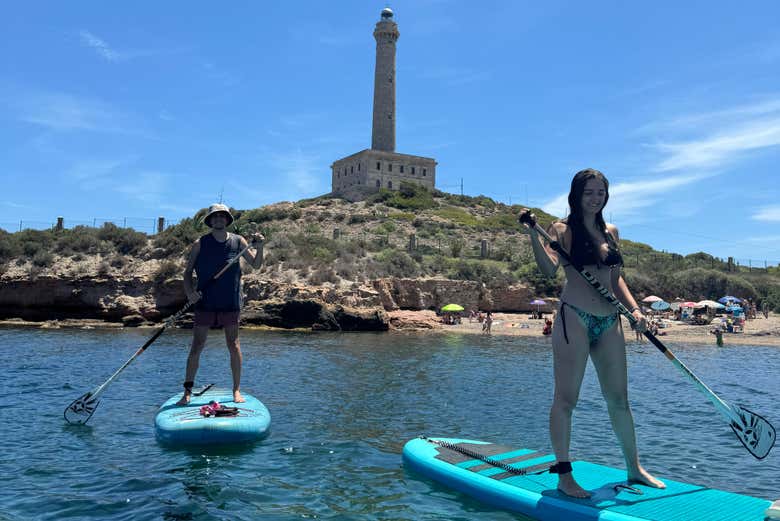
x=381, y=166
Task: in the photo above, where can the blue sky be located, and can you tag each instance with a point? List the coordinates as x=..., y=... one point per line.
x=114, y=110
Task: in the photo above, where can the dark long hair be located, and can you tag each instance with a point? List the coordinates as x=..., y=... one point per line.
x=582, y=249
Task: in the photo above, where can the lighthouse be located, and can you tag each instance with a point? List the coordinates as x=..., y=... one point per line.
x=383, y=128
x=381, y=167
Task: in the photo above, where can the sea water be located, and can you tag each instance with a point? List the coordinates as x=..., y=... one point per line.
x=342, y=406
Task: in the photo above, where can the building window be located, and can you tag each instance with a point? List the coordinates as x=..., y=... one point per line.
x=424, y=172
x=412, y=170
x=358, y=167
x=378, y=184
x=389, y=167
x=338, y=175
x=402, y=169
x=378, y=165
x=390, y=185
x=352, y=170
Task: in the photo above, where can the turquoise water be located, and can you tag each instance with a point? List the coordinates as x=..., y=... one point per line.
x=342, y=406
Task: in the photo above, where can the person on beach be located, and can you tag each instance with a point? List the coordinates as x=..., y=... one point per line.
x=219, y=303
x=488, y=323
x=589, y=326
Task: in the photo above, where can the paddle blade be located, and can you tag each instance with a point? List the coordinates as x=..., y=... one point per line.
x=82, y=409
x=756, y=434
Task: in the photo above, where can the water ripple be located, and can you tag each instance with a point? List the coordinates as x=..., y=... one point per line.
x=342, y=407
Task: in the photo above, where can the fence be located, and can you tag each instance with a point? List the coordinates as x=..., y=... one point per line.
x=142, y=224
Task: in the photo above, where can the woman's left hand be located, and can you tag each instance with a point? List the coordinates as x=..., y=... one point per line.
x=641, y=321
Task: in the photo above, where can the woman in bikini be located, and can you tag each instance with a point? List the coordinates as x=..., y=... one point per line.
x=588, y=325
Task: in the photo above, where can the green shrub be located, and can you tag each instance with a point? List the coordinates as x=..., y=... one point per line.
x=543, y=285
x=126, y=240
x=177, y=240
x=167, y=270
x=410, y=196
x=699, y=283
x=397, y=263
x=43, y=259
x=501, y=221
x=358, y=218
x=402, y=216
x=456, y=247
x=456, y=215
x=81, y=239
x=489, y=274
x=9, y=246
x=32, y=242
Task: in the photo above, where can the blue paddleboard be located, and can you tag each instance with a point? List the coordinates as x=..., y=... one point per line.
x=183, y=424
x=535, y=494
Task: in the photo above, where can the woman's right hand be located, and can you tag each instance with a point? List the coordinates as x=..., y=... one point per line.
x=528, y=219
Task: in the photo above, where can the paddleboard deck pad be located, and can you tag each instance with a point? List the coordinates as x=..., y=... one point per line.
x=489, y=473
x=184, y=424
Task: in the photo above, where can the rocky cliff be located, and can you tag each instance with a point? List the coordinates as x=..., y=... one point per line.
x=138, y=299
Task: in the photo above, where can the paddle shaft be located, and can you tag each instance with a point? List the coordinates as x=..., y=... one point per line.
x=720, y=405
x=168, y=322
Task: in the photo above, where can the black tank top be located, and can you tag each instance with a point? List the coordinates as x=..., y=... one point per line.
x=223, y=294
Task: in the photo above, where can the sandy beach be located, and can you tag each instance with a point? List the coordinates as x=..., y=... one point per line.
x=760, y=331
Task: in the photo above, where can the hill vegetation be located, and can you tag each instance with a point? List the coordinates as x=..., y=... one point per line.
x=406, y=233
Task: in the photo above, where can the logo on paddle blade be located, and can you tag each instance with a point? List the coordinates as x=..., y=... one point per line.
x=756, y=434
x=81, y=409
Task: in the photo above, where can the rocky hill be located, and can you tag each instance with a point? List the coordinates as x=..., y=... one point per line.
x=332, y=264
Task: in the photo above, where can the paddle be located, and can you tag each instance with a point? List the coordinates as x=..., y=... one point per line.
x=755, y=433
x=83, y=407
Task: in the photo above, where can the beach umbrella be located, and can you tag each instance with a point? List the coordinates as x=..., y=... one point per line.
x=660, y=305
x=728, y=299
x=687, y=304
x=452, y=307
x=538, y=303
x=652, y=298
x=709, y=304
x=733, y=308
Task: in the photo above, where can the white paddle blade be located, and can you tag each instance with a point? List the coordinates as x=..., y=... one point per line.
x=756, y=434
x=81, y=409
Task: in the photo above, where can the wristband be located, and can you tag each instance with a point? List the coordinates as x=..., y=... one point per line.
x=635, y=308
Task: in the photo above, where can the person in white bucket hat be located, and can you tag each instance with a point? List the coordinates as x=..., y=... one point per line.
x=217, y=304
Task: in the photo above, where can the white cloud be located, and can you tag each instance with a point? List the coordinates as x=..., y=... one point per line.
x=768, y=213
x=100, y=46
x=719, y=148
x=64, y=112
x=630, y=198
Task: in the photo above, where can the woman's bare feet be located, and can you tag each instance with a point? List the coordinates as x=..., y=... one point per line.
x=237, y=398
x=640, y=475
x=568, y=486
x=185, y=399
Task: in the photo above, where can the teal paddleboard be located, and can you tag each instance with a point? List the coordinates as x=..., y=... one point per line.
x=184, y=424
x=462, y=467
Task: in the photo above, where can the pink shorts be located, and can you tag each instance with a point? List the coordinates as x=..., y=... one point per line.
x=216, y=318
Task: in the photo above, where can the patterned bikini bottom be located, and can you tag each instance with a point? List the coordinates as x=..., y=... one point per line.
x=596, y=325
